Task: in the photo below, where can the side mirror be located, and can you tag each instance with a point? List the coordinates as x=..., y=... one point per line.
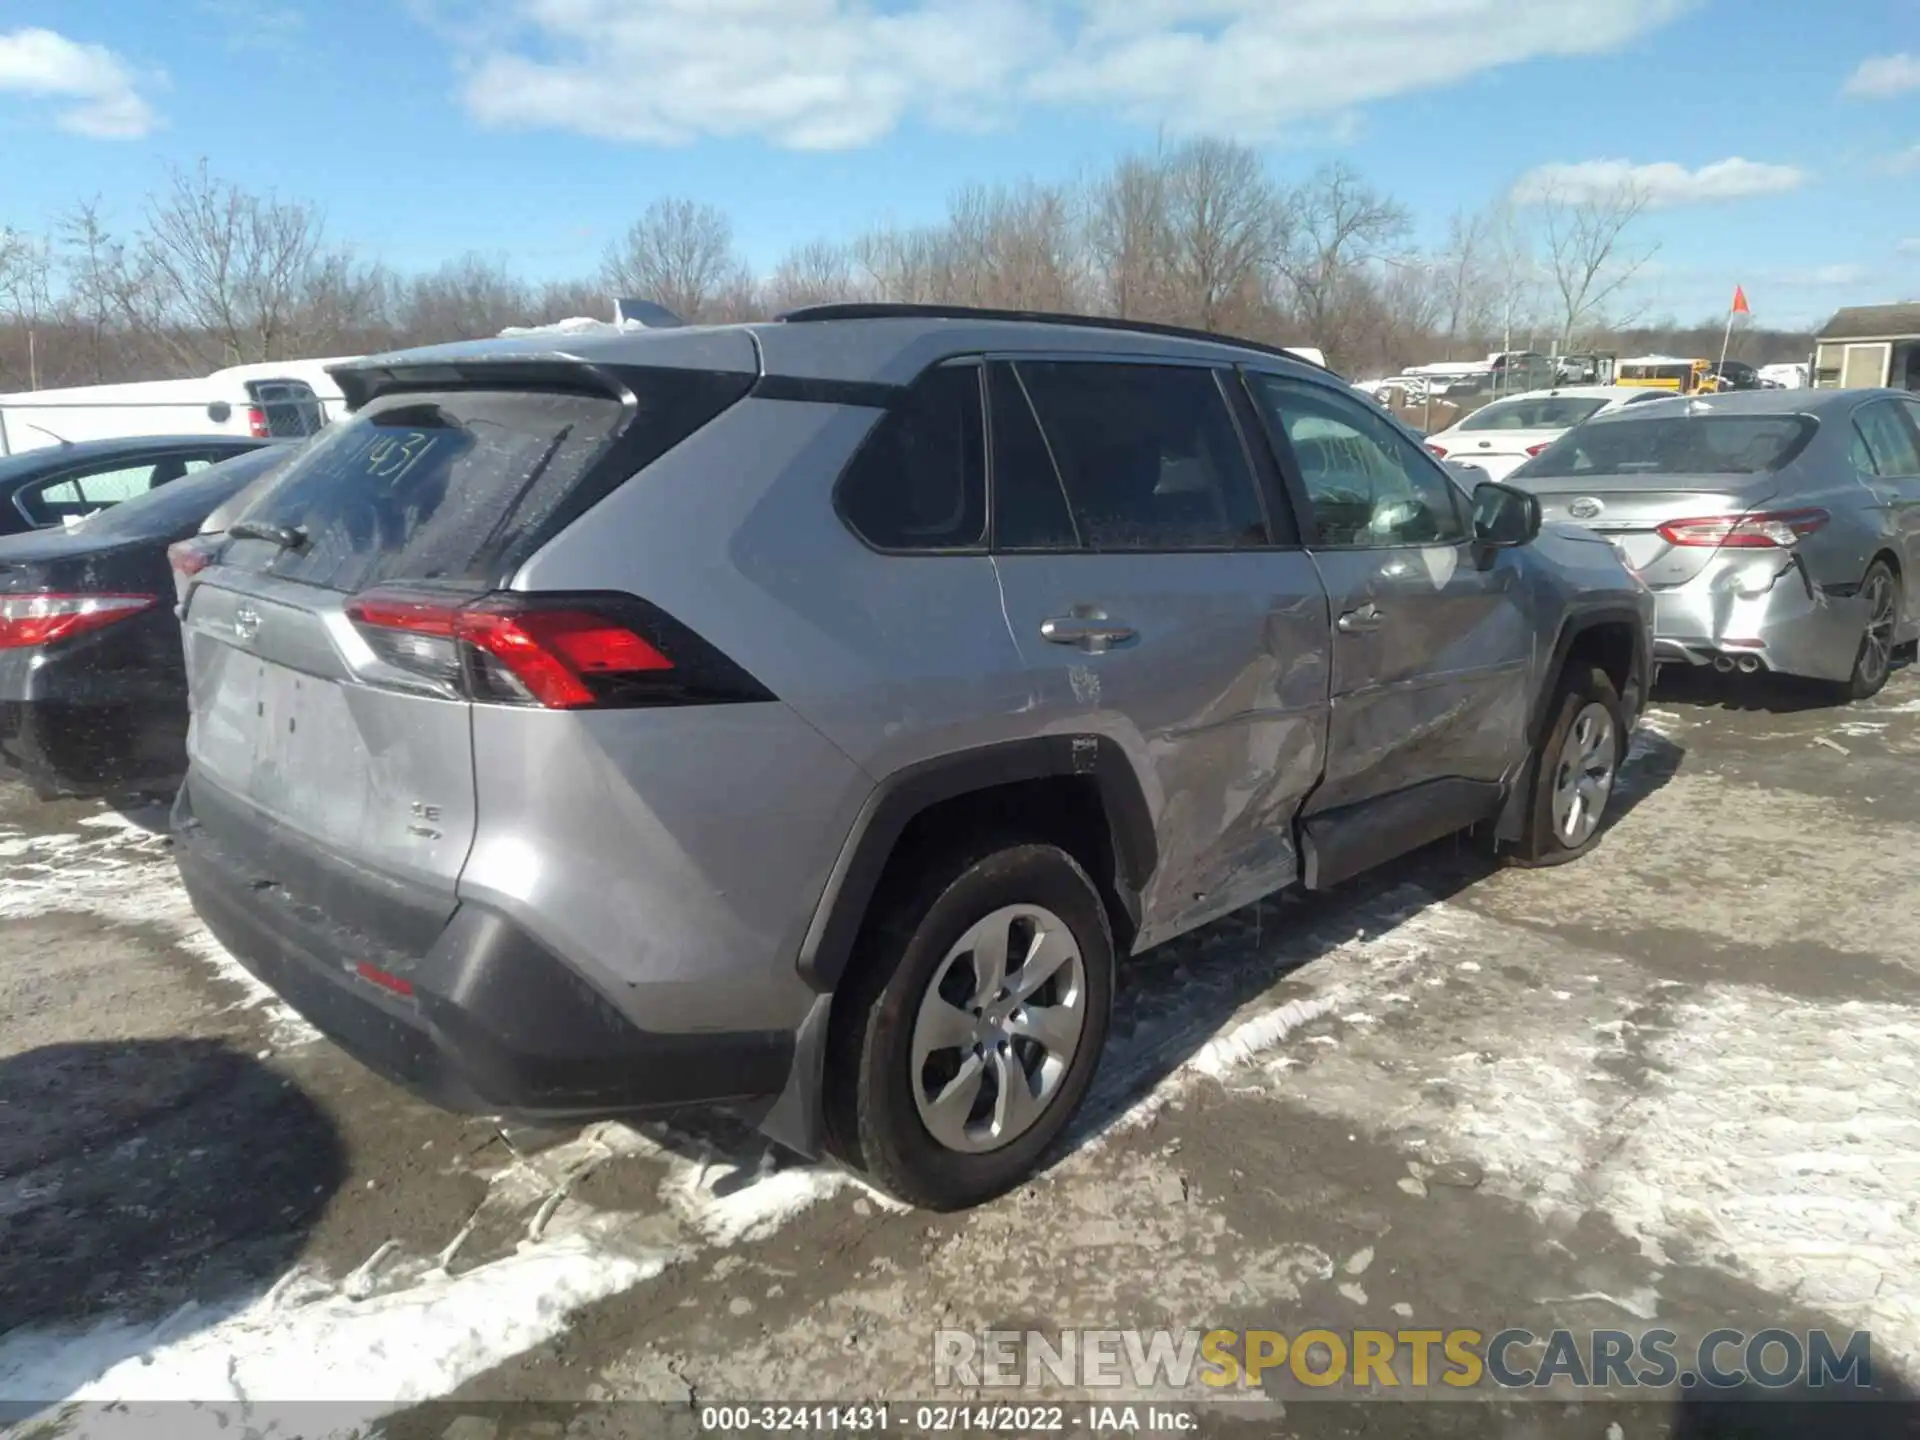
x=1504, y=516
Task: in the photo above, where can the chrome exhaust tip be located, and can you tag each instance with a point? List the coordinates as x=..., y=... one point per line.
x=1723, y=664
x=1749, y=664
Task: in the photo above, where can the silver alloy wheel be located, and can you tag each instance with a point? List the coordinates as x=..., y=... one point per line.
x=1583, y=775
x=1876, y=646
x=998, y=1028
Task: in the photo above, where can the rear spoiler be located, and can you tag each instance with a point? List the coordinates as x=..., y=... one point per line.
x=362, y=381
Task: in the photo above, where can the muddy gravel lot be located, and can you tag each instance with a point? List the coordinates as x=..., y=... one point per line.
x=1677, y=1083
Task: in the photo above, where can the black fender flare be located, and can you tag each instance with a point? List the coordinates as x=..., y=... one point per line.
x=1512, y=822
x=842, y=907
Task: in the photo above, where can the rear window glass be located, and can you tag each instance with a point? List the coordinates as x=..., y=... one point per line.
x=460, y=485
x=1676, y=445
x=290, y=408
x=1549, y=412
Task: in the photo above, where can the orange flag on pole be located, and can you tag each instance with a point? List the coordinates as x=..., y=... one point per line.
x=1740, y=302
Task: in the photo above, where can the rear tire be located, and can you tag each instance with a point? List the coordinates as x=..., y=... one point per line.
x=1873, y=662
x=927, y=1017
x=1576, y=770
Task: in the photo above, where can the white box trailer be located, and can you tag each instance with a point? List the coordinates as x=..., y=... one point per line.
x=275, y=398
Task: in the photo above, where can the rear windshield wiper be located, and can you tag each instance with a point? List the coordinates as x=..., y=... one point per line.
x=287, y=537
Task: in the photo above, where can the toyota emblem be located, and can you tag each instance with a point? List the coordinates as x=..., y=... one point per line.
x=246, y=622
x=1585, y=508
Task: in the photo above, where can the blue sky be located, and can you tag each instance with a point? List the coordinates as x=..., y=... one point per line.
x=1786, y=135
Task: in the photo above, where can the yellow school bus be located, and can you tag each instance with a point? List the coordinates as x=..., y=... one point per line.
x=1666, y=372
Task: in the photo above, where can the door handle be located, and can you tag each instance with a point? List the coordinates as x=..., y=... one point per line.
x=1367, y=617
x=1089, y=632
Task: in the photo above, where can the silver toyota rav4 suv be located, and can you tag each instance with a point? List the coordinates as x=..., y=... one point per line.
x=807, y=717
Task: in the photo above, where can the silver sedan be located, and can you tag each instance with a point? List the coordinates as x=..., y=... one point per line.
x=1778, y=529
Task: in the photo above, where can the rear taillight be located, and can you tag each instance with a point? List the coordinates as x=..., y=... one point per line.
x=257, y=423
x=1439, y=452
x=1533, y=450
x=1764, y=530
x=42, y=619
x=559, y=652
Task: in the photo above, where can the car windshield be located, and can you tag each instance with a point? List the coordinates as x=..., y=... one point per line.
x=1675, y=445
x=1542, y=412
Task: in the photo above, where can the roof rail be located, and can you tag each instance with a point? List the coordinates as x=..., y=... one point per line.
x=868, y=310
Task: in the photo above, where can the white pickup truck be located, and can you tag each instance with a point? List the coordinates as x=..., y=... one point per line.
x=277, y=399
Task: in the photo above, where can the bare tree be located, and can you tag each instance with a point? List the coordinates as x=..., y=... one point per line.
x=1519, y=276
x=817, y=273
x=1408, y=303
x=680, y=254
x=1335, y=227
x=211, y=273
x=1128, y=241
x=221, y=275
x=26, y=306
x=566, y=299
x=1220, y=231
x=1466, y=286
x=910, y=267
x=463, y=299
x=1590, y=255
x=1011, y=248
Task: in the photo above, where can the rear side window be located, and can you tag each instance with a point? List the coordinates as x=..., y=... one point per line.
x=1148, y=454
x=180, y=507
x=1547, y=412
x=1675, y=445
x=920, y=480
x=81, y=493
x=1888, y=440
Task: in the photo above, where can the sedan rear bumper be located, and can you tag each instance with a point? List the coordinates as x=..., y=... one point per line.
x=487, y=1021
x=72, y=727
x=1759, y=611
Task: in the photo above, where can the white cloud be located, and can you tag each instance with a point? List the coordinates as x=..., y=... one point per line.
x=1884, y=76
x=1664, y=183
x=826, y=74
x=1909, y=246
x=97, y=92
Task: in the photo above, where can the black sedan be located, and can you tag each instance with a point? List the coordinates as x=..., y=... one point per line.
x=93, y=685
x=52, y=486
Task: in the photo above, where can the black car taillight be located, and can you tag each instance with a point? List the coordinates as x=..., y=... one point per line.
x=558, y=652
x=41, y=619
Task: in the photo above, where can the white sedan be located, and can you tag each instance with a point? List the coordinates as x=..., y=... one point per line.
x=1504, y=435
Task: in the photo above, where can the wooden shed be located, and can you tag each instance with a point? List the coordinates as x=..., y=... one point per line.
x=1868, y=345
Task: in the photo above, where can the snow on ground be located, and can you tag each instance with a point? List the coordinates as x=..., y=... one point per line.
x=1782, y=1139
x=310, y=1341
x=391, y=1333
x=120, y=869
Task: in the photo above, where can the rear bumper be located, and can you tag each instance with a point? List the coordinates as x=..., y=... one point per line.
x=1758, y=612
x=71, y=728
x=494, y=1023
